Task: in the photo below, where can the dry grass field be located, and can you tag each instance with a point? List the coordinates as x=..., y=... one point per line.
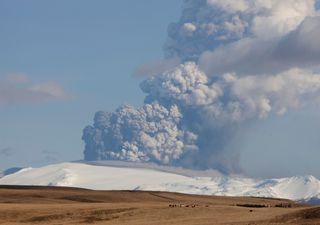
x=58, y=206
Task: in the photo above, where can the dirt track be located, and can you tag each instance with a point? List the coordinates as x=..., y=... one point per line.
x=57, y=206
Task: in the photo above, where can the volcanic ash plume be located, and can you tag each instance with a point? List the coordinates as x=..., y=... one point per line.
x=151, y=132
x=240, y=61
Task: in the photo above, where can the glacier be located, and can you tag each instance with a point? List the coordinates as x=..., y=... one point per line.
x=118, y=177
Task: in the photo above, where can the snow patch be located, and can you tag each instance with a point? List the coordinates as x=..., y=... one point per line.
x=302, y=188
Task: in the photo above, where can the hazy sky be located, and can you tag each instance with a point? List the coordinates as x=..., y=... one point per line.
x=61, y=61
x=90, y=49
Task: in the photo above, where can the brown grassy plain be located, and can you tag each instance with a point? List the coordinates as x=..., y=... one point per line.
x=58, y=206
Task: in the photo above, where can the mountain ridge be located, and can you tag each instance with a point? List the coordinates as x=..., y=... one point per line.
x=107, y=177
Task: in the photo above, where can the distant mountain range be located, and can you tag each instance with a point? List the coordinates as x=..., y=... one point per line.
x=119, y=176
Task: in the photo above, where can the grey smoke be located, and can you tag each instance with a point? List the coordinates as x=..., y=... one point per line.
x=206, y=25
x=240, y=62
x=299, y=48
x=156, y=67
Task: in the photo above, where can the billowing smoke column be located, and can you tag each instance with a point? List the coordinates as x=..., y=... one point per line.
x=151, y=132
x=241, y=61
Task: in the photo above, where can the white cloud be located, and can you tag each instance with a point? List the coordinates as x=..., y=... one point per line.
x=17, y=78
x=17, y=88
x=50, y=89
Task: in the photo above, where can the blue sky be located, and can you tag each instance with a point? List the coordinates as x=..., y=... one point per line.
x=91, y=50
x=80, y=58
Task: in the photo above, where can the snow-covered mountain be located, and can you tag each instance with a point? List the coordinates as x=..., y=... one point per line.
x=301, y=188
